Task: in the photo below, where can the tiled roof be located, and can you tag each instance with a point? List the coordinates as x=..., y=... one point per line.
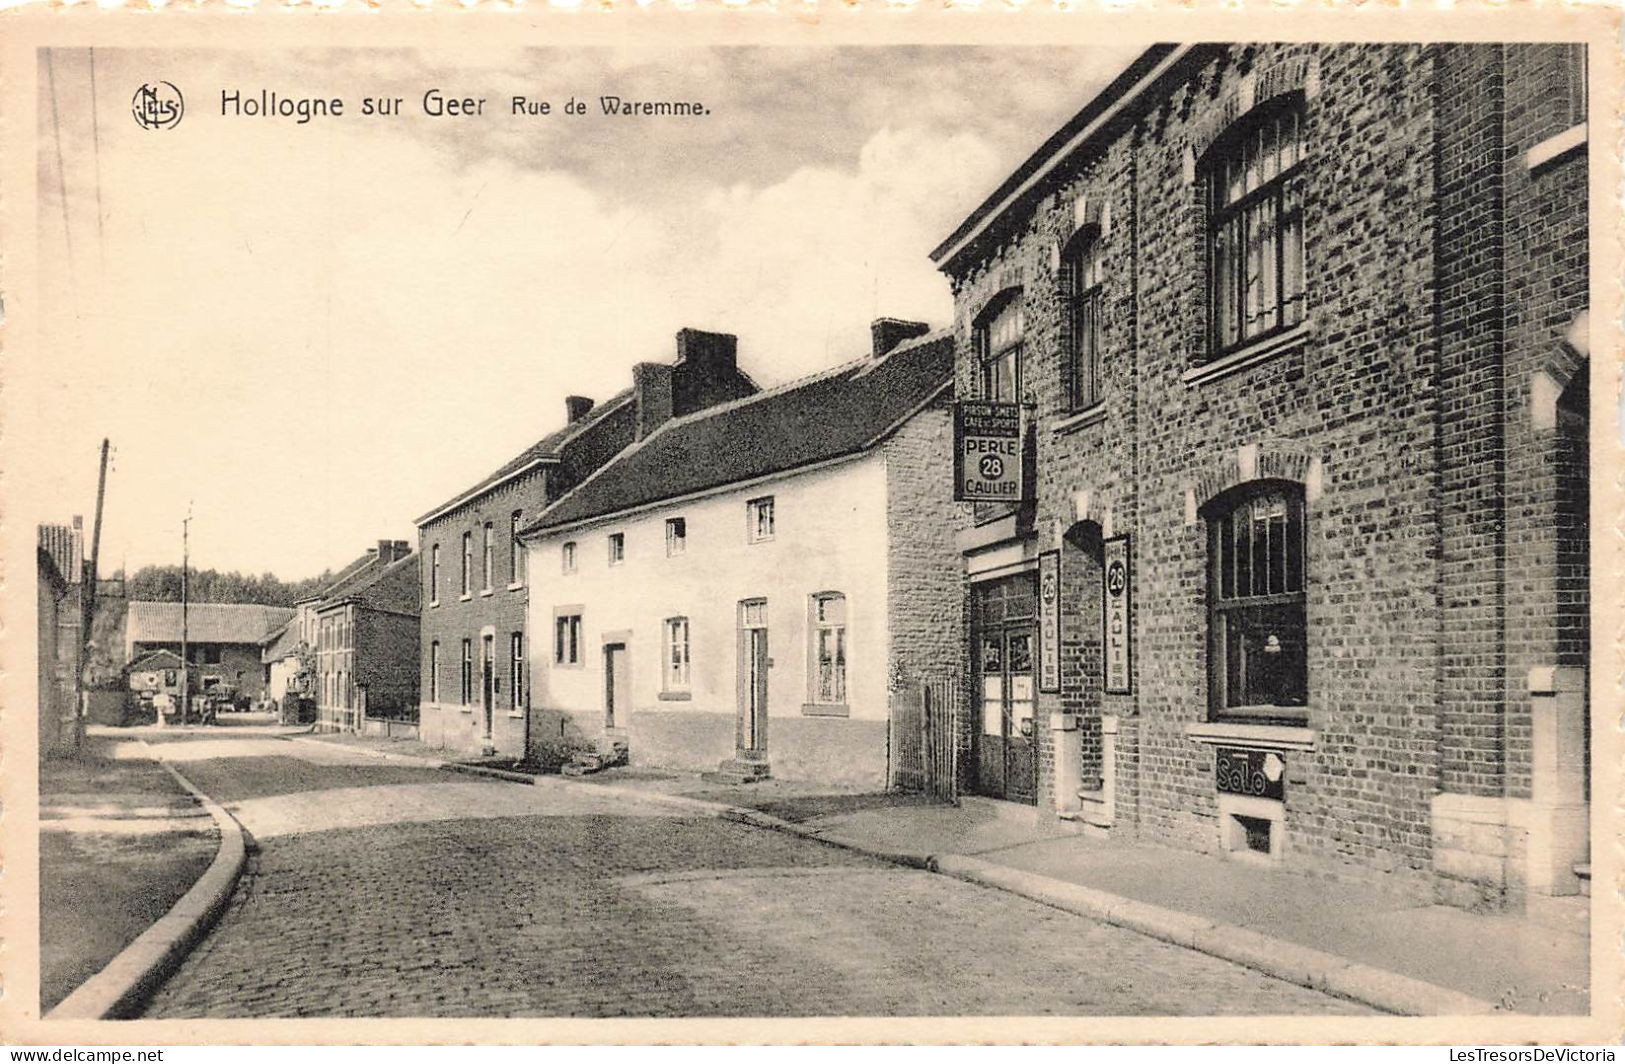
x=829, y=415
x=206, y=622
x=546, y=448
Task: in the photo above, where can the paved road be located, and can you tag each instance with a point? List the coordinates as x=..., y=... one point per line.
x=386, y=889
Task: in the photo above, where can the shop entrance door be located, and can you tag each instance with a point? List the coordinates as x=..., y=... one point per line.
x=1006, y=755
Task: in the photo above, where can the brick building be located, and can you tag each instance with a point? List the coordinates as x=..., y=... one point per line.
x=223, y=639
x=749, y=587
x=473, y=645
x=1301, y=333
x=366, y=639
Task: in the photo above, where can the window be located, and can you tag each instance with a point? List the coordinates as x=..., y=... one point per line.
x=489, y=558
x=828, y=630
x=567, y=639
x=676, y=536
x=1255, y=233
x=1256, y=622
x=676, y=675
x=434, y=671
x=617, y=548
x=468, y=563
x=468, y=672
x=1574, y=75
x=516, y=663
x=516, y=551
x=434, y=575
x=1082, y=283
x=998, y=351
x=567, y=557
x=759, y=517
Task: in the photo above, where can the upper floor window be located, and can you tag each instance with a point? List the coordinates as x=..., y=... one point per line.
x=676, y=536
x=567, y=557
x=1257, y=628
x=617, y=548
x=998, y=342
x=828, y=648
x=468, y=563
x=1082, y=283
x=434, y=574
x=516, y=550
x=759, y=519
x=489, y=557
x=1255, y=229
x=676, y=654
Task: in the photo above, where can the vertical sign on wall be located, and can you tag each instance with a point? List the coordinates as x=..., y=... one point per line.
x=1049, y=622
x=987, y=451
x=1116, y=599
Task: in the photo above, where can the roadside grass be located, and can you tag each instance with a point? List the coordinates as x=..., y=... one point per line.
x=120, y=843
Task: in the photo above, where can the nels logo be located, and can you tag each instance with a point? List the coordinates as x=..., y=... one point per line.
x=157, y=105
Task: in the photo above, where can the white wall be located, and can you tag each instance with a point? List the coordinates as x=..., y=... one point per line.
x=830, y=536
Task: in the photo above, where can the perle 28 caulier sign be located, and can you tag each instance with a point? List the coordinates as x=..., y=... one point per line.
x=1118, y=635
x=1049, y=622
x=987, y=451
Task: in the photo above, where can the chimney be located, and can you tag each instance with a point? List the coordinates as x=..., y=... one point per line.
x=392, y=550
x=887, y=333
x=712, y=352
x=651, y=391
x=576, y=407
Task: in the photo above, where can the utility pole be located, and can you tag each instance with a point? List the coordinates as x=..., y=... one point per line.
x=88, y=600
x=186, y=665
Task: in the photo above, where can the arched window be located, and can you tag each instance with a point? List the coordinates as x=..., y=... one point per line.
x=1257, y=630
x=1082, y=286
x=1255, y=225
x=998, y=350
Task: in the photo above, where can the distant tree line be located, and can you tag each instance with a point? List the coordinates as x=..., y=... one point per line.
x=162, y=583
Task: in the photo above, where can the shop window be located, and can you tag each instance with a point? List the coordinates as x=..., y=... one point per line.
x=676, y=536
x=998, y=341
x=1255, y=231
x=828, y=632
x=1256, y=618
x=567, y=639
x=676, y=655
x=759, y=519
x=1082, y=285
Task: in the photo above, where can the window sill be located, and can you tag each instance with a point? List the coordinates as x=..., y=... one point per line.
x=516, y=714
x=1283, y=737
x=1082, y=419
x=465, y=709
x=1554, y=148
x=1252, y=355
x=434, y=604
x=516, y=586
x=674, y=696
x=567, y=664
x=825, y=709
x=465, y=598
x=485, y=593
x=761, y=539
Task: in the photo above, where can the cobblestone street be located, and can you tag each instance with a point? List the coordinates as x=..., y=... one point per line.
x=386, y=889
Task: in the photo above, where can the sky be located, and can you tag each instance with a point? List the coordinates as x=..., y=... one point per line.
x=311, y=334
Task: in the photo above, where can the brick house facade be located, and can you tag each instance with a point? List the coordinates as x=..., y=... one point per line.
x=1301, y=331
x=754, y=588
x=366, y=640
x=473, y=646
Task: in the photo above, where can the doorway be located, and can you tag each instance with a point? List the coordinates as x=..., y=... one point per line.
x=617, y=685
x=1004, y=761
x=751, y=727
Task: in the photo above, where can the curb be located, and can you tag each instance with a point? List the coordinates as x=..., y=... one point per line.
x=1287, y=961
x=119, y=990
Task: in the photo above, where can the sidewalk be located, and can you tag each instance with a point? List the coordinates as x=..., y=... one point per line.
x=120, y=843
x=1503, y=959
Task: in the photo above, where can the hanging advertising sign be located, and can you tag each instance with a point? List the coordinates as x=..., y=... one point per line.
x=1117, y=578
x=987, y=451
x=1049, y=622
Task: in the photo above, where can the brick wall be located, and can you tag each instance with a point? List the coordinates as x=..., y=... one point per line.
x=922, y=572
x=1391, y=410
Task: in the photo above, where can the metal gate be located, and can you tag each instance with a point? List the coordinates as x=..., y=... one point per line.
x=923, y=739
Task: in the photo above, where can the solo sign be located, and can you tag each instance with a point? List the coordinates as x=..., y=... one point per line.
x=1118, y=635
x=1255, y=773
x=1049, y=622
x=987, y=451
